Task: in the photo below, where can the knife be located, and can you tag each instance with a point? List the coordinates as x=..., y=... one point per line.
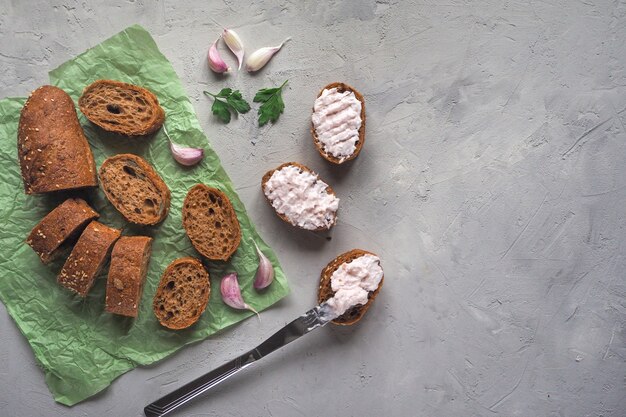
x=312, y=319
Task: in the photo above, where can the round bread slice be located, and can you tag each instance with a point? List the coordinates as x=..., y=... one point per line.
x=325, y=291
x=328, y=222
x=182, y=294
x=341, y=87
x=135, y=189
x=211, y=222
x=122, y=108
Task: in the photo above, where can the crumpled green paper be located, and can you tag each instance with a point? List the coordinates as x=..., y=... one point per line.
x=80, y=347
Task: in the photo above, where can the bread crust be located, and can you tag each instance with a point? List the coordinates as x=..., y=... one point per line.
x=269, y=174
x=129, y=266
x=119, y=115
x=198, y=237
x=341, y=87
x=150, y=175
x=52, y=149
x=62, y=224
x=325, y=291
x=88, y=257
x=164, y=294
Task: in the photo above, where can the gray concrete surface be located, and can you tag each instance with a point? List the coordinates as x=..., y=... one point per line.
x=492, y=184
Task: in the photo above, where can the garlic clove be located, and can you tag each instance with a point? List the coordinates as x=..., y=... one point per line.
x=265, y=271
x=216, y=63
x=260, y=57
x=234, y=43
x=231, y=294
x=186, y=156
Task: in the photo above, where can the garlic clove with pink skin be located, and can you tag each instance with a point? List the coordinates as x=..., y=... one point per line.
x=231, y=294
x=234, y=43
x=260, y=57
x=265, y=271
x=186, y=156
x=216, y=63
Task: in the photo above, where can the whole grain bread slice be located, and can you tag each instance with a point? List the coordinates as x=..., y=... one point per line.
x=129, y=266
x=182, y=294
x=341, y=87
x=88, y=257
x=122, y=108
x=135, y=189
x=269, y=174
x=60, y=227
x=211, y=222
x=325, y=291
x=52, y=149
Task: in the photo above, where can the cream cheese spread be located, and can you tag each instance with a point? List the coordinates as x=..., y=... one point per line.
x=302, y=198
x=353, y=281
x=337, y=120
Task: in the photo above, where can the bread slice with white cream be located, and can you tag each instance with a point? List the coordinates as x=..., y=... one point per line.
x=338, y=123
x=300, y=197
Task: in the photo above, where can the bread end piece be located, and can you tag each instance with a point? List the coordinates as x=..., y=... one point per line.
x=129, y=266
x=325, y=291
x=182, y=294
x=341, y=87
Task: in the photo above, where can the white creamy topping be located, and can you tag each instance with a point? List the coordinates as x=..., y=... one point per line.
x=302, y=198
x=337, y=120
x=352, y=282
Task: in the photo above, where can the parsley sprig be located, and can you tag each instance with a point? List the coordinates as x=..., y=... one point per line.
x=227, y=101
x=272, y=106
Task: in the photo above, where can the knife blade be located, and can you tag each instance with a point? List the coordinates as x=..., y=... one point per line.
x=316, y=317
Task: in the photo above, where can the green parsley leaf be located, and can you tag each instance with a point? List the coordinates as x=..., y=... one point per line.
x=238, y=103
x=224, y=93
x=220, y=109
x=272, y=106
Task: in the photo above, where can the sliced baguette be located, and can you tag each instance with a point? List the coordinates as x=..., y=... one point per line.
x=52, y=149
x=61, y=225
x=129, y=266
x=122, y=108
x=211, y=222
x=135, y=189
x=182, y=294
x=88, y=257
x=341, y=87
x=266, y=191
x=325, y=291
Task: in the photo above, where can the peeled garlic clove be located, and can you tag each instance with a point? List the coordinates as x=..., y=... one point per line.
x=265, y=272
x=231, y=294
x=260, y=57
x=186, y=156
x=234, y=43
x=216, y=63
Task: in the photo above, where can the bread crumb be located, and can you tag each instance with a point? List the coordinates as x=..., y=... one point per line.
x=117, y=283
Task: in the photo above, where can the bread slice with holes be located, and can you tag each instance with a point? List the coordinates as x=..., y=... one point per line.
x=122, y=108
x=338, y=123
x=300, y=197
x=211, y=222
x=135, y=189
x=325, y=291
x=129, y=266
x=59, y=228
x=182, y=294
x=52, y=149
x=88, y=257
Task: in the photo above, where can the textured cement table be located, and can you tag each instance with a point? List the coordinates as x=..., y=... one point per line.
x=492, y=184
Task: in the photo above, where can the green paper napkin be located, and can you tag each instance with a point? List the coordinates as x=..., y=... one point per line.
x=81, y=348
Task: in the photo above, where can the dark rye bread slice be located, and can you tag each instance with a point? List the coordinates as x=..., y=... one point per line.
x=122, y=108
x=341, y=87
x=88, y=257
x=129, y=265
x=52, y=149
x=211, y=222
x=61, y=225
x=325, y=291
x=182, y=294
x=269, y=174
x=135, y=189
